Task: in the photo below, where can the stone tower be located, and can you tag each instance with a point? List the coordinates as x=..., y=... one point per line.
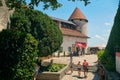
x=80, y=20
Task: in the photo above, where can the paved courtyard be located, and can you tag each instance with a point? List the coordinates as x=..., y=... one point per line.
x=74, y=76
x=91, y=59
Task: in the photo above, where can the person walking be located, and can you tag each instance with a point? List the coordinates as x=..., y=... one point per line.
x=82, y=51
x=71, y=57
x=37, y=67
x=79, y=66
x=71, y=68
x=85, y=68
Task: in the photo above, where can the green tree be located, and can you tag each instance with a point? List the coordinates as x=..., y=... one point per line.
x=54, y=4
x=113, y=44
x=0, y=3
x=41, y=27
x=18, y=52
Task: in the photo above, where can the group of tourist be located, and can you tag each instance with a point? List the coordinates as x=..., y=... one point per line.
x=80, y=66
x=80, y=51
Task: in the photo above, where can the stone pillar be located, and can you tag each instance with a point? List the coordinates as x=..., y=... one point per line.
x=118, y=62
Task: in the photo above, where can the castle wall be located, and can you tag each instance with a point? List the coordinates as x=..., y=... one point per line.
x=84, y=29
x=82, y=26
x=4, y=17
x=68, y=41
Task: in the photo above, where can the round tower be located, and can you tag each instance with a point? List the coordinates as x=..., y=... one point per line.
x=80, y=20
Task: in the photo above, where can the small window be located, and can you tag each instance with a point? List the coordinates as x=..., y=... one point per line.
x=69, y=49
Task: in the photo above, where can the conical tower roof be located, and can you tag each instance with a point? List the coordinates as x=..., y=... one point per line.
x=77, y=14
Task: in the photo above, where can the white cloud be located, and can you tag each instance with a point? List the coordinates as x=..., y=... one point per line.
x=100, y=38
x=107, y=24
x=97, y=36
x=101, y=45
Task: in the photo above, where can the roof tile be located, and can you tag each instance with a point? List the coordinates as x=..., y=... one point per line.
x=70, y=32
x=77, y=14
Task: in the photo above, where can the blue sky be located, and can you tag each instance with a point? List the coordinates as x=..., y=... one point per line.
x=100, y=14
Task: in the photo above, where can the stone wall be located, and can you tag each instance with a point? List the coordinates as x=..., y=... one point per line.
x=3, y=18
x=53, y=75
x=69, y=41
x=110, y=75
x=5, y=13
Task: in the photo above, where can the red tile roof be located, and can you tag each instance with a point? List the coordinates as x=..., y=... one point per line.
x=77, y=14
x=71, y=32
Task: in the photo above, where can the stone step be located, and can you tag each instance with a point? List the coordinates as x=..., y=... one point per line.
x=4, y=17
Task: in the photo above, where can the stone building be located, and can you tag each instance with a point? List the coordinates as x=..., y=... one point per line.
x=74, y=32
x=74, y=29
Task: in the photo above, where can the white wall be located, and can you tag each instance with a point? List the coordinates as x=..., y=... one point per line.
x=84, y=29
x=68, y=41
x=118, y=62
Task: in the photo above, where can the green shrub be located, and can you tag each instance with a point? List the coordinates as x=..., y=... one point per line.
x=106, y=60
x=0, y=3
x=110, y=64
x=18, y=52
x=109, y=61
x=41, y=27
x=113, y=44
x=100, y=55
x=55, y=67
